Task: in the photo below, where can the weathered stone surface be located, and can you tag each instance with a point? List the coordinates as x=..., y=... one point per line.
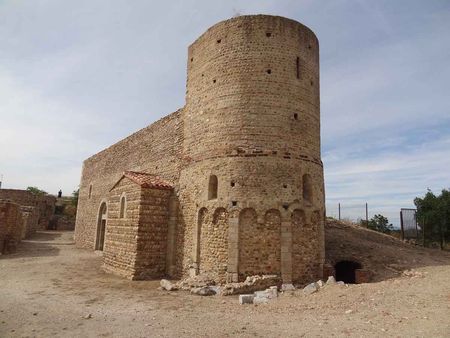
x=168, y=285
x=268, y=293
x=331, y=280
x=320, y=283
x=310, y=288
x=288, y=287
x=251, y=284
x=196, y=282
x=243, y=155
x=11, y=226
x=204, y=291
x=246, y=299
x=37, y=210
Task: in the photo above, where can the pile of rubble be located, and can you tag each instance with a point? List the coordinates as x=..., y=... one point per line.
x=251, y=284
x=205, y=285
x=261, y=297
x=249, y=291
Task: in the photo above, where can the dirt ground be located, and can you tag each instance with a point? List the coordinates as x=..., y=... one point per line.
x=50, y=288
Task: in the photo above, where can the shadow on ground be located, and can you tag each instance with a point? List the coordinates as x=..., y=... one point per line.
x=40, y=244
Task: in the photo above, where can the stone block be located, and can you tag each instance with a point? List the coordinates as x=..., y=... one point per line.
x=246, y=299
x=310, y=288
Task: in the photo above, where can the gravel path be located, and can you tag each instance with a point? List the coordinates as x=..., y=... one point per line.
x=50, y=288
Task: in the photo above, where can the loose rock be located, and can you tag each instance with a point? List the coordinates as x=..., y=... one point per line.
x=251, y=284
x=287, y=287
x=310, y=288
x=203, y=291
x=246, y=299
x=168, y=285
x=331, y=280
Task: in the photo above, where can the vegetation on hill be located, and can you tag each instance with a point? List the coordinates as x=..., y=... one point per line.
x=433, y=215
x=381, y=224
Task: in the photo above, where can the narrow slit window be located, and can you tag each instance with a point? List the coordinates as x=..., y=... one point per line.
x=212, y=187
x=123, y=206
x=298, y=67
x=90, y=191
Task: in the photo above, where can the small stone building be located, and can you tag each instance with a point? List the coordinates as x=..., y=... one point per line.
x=138, y=219
x=232, y=183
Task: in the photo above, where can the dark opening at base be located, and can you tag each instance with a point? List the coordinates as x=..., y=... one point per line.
x=345, y=271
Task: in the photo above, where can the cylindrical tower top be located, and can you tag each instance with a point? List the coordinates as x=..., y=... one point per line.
x=253, y=86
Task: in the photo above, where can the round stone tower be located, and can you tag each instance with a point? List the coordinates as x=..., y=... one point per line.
x=251, y=187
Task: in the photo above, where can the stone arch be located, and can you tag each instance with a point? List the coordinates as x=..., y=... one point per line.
x=305, y=248
x=259, y=243
x=213, y=186
x=201, y=217
x=214, y=244
x=102, y=217
x=307, y=189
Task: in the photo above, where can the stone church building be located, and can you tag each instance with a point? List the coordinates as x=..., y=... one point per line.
x=232, y=183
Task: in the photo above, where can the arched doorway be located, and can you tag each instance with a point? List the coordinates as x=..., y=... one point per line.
x=101, y=226
x=345, y=271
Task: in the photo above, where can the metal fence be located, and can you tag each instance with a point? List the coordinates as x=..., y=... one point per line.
x=408, y=224
x=355, y=212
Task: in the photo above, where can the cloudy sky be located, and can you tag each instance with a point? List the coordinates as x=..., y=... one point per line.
x=77, y=76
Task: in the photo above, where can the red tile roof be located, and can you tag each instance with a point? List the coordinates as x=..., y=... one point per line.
x=147, y=180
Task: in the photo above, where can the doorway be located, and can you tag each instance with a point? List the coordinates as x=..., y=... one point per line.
x=101, y=227
x=345, y=271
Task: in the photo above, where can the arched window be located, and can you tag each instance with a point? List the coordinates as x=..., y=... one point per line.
x=123, y=206
x=212, y=187
x=307, y=188
x=90, y=190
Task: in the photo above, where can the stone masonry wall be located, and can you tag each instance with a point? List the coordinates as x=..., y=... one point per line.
x=152, y=233
x=305, y=245
x=155, y=149
x=120, y=249
x=44, y=205
x=30, y=217
x=11, y=224
x=259, y=243
x=252, y=118
x=213, y=254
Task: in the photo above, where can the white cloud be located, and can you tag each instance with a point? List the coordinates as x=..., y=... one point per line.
x=76, y=77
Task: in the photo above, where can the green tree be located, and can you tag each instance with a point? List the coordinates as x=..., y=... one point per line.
x=381, y=224
x=36, y=191
x=433, y=214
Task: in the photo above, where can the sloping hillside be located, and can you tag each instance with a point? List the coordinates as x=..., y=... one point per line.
x=384, y=255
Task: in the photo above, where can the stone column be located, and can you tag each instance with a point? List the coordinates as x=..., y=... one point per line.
x=233, y=249
x=194, y=270
x=171, y=231
x=286, y=252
